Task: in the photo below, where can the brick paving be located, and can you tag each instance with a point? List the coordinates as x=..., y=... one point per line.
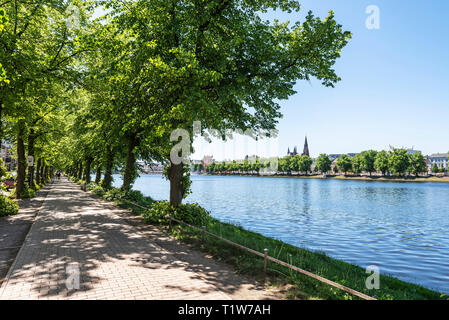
x=13, y=230
x=117, y=257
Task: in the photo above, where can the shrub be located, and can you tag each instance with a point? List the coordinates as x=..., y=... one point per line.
x=98, y=190
x=137, y=197
x=113, y=194
x=190, y=213
x=27, y=193
x=8, y=206
x=134, y=195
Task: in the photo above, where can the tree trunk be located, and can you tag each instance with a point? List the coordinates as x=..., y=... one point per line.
x=87, y=170
x=46, y=173
x=31, y=139
x=98, y=174
x=42, y=171
x=21, y=161
x=75, y=170
x=107, y=180
x=38, y=171
x=128, y=176
x=80, y=171
x=175, y=174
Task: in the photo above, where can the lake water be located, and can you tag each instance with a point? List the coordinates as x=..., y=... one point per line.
x=403, y=228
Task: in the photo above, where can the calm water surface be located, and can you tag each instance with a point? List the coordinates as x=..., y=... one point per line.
x=400, y=227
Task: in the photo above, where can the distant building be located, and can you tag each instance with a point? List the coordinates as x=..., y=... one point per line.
x=305, y=151
x=207, y=160
x=292, y=154
x=335, y=156
x=410, y=151
x=251, y=158
x=151, y=167
x=440, y=159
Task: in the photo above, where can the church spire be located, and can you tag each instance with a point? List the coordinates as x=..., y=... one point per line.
x=306, y=148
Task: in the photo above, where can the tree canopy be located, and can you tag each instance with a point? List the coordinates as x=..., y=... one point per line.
x=84, y=94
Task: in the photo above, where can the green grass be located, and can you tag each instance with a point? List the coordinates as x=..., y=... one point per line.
x=304, y=287
x=301, y=286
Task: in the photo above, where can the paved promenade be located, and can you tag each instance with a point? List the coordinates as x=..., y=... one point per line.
x=79, y=238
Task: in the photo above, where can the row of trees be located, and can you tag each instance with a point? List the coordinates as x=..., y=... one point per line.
x=234, y=167
x=38, y=70
x=96, y=95
x=397, y=161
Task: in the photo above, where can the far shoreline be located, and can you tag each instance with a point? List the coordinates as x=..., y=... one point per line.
x=341, y=177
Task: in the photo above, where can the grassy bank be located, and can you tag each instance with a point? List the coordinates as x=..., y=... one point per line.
x=303, y=287
x=300, y=286
x=394, y=179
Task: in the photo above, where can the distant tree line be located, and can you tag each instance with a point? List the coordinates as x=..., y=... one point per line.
x=234, y=167
x=397, y=162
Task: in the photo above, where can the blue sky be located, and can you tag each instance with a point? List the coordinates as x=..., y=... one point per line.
x=394, y=88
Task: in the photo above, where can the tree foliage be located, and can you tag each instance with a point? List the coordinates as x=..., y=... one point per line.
x=323, y=163
x=99, y=94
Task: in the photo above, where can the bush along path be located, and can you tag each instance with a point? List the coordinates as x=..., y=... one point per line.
x=81, y=247
x=298, y=286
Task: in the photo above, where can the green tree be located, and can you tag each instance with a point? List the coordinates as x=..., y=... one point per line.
x=305, y=164
x=399, y=161
x=435, y=168
x=234, y=166
x=357, y=164
x=3, y=20
x=418, y=164
x=382, y=163
x=368, y=161
x=211, y=167
x=257, y=166
x=39, y=49
x=295, y=163
x=220, y=63
x=284, y=165
x=344, y=163
x=323, y=163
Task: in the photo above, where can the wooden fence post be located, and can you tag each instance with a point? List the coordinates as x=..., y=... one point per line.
x=265, y=261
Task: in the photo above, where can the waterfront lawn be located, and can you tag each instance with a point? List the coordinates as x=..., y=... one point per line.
x=303, y=287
